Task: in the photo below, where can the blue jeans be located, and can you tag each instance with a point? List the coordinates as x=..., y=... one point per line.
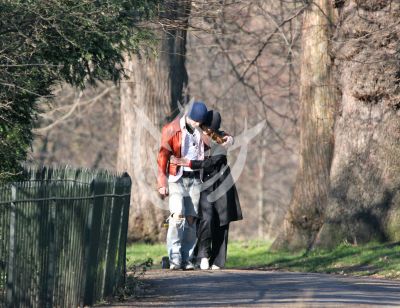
x=184, y=196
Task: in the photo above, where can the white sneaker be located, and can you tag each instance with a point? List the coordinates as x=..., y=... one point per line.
x=189, y=266
x=215, y=267
x=174, y=266
x=204, y=265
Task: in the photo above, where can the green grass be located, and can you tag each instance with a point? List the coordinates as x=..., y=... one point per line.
x=380, y=260
x=139, y=253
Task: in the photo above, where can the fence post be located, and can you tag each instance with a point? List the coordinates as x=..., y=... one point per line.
x=43, y=239
x=52, y=258
x=93, y=238
x=11, y=255
x=126, y=182
x=111, y=271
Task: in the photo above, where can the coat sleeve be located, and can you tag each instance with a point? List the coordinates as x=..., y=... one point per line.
x=163, y=157
x=206, y=163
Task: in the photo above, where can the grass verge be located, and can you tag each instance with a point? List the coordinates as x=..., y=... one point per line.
x=374, y=259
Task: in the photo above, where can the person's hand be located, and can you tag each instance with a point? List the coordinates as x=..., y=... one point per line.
x=228, y=141
x=179, y=161
x=163, y=191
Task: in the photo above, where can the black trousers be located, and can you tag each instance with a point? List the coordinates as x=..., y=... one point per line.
x=212, y=238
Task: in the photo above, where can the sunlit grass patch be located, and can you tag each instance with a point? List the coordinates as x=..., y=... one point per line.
x=138, y=253
x=374, y=259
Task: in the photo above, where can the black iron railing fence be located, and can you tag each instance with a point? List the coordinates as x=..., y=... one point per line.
x=62, y=237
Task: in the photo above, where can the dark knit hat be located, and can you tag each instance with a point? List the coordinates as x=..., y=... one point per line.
x=198, y=112
x=213, y=120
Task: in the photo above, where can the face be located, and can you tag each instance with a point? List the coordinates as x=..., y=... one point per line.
x=192, y=123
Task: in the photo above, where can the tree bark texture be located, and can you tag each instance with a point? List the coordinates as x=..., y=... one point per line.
x=364, y=200
x=318, y=101
x=149, y=99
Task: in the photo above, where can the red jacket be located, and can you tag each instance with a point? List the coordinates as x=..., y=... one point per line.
x=171, y=141
x=171, y=137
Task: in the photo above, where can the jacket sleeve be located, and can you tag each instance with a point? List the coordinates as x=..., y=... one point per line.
x=163, y=157
x=206, y=163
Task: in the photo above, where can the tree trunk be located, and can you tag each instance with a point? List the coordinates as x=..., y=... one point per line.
x=364, y=202
x=149, y=99
x=317, y=111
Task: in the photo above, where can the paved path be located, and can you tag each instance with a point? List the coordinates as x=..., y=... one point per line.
x=243, y=288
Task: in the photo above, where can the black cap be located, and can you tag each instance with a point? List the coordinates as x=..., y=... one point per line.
x=213, y=120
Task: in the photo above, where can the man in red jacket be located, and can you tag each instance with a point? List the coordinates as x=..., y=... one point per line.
x=182, y=138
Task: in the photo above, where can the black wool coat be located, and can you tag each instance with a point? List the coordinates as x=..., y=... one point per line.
x=227, y=205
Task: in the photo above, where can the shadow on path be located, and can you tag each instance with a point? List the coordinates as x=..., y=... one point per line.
x=241, y=288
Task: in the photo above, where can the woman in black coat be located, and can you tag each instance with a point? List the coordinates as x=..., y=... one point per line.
x=219, y=201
